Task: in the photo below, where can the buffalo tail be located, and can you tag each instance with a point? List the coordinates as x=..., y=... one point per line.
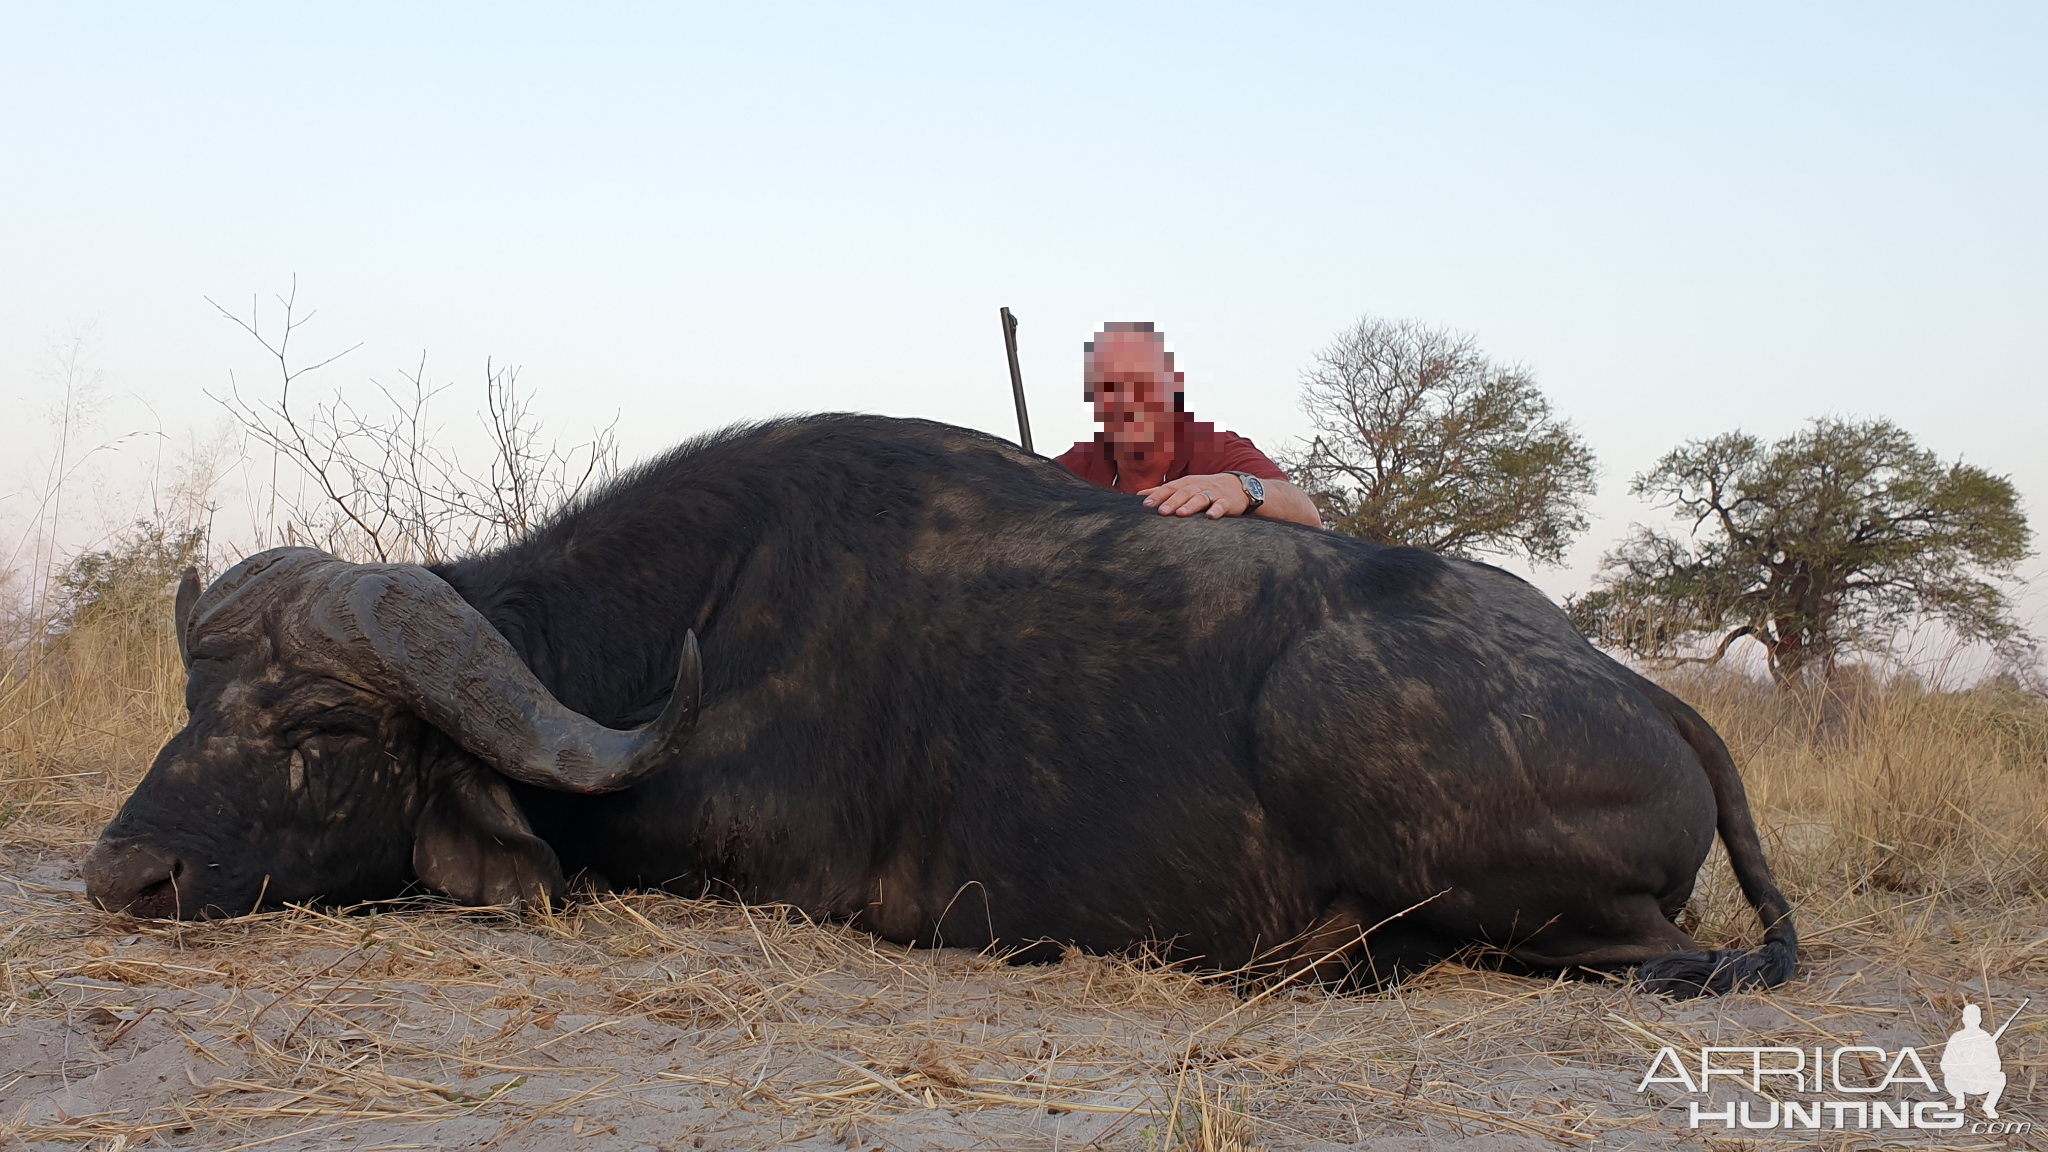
x=1715, y=971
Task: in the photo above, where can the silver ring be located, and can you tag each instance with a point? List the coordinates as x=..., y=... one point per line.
x=1211, y=495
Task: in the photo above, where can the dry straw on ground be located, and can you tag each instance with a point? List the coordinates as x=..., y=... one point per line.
x=1906, y=824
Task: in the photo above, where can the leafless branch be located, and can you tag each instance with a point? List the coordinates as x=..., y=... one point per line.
x=389, y=486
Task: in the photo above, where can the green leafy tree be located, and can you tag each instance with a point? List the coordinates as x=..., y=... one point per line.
x=1827, y=541
x=1422, y=440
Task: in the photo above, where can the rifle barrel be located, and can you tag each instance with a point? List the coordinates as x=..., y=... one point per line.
x=2009, y=1019
x=1016, y=380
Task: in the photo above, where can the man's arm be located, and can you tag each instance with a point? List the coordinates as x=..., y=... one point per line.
x=1222, y=494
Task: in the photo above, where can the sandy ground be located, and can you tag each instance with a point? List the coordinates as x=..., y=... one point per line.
x=644, y=1022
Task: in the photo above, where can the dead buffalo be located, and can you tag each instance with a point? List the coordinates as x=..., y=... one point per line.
x=947, y=692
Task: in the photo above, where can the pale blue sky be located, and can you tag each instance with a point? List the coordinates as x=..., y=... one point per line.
x=1682, y=222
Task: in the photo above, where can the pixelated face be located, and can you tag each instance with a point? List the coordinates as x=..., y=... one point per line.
x=1130, y=380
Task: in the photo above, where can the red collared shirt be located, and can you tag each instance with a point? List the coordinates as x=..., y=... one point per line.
x=1204, y=450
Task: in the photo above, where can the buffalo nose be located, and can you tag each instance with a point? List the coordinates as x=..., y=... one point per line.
x=130, y=876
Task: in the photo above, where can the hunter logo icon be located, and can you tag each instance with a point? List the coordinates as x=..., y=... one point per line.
x=1970, y=1064
x=1862, y=1087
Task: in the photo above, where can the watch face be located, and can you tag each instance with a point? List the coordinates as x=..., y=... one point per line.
x=1255, y=488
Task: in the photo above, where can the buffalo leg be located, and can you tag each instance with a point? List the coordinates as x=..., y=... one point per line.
x=1637, y=932
x=1326, y=953
x=1348, y=946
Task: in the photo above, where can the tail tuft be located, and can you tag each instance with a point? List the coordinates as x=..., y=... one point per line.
x=1684, y=975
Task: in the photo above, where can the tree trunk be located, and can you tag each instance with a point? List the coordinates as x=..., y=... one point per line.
x=1787, y=649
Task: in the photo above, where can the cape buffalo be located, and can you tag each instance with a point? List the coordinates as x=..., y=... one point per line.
x=950, y=693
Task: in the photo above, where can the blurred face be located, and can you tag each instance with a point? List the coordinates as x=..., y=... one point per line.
x=1131, y=384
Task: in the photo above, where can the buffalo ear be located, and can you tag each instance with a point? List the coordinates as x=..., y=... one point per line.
x=474, y=844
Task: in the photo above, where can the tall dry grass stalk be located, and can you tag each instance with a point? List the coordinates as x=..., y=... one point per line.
x=82, y=713
x=1873, y=788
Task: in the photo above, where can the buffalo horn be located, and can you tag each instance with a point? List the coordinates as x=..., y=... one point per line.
x=407, y=629
x=181, y=613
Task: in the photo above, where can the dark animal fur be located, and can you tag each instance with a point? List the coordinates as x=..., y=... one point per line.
x=954, y=694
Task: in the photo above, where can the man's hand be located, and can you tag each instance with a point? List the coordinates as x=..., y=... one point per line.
x=1219, y=495
x=1222, y=494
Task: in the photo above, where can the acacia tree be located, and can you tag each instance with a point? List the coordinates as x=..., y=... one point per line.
x=1421, y=440
x=1826, y=541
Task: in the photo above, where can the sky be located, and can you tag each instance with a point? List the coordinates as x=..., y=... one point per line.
x=676, y=217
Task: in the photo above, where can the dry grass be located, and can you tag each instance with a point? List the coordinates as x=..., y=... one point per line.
x=81, y=717
x=1906, y=824
x=1888, y=788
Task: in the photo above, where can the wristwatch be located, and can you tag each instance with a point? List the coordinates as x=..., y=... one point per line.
x=1253, y=487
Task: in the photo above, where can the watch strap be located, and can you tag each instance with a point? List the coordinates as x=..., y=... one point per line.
x=1249, y=482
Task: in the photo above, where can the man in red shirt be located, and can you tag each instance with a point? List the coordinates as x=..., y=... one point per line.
x=1151, y=446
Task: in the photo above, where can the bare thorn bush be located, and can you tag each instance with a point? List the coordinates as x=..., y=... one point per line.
x=386, y=484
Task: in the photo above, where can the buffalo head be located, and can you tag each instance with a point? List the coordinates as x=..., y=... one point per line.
x=352, y=728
